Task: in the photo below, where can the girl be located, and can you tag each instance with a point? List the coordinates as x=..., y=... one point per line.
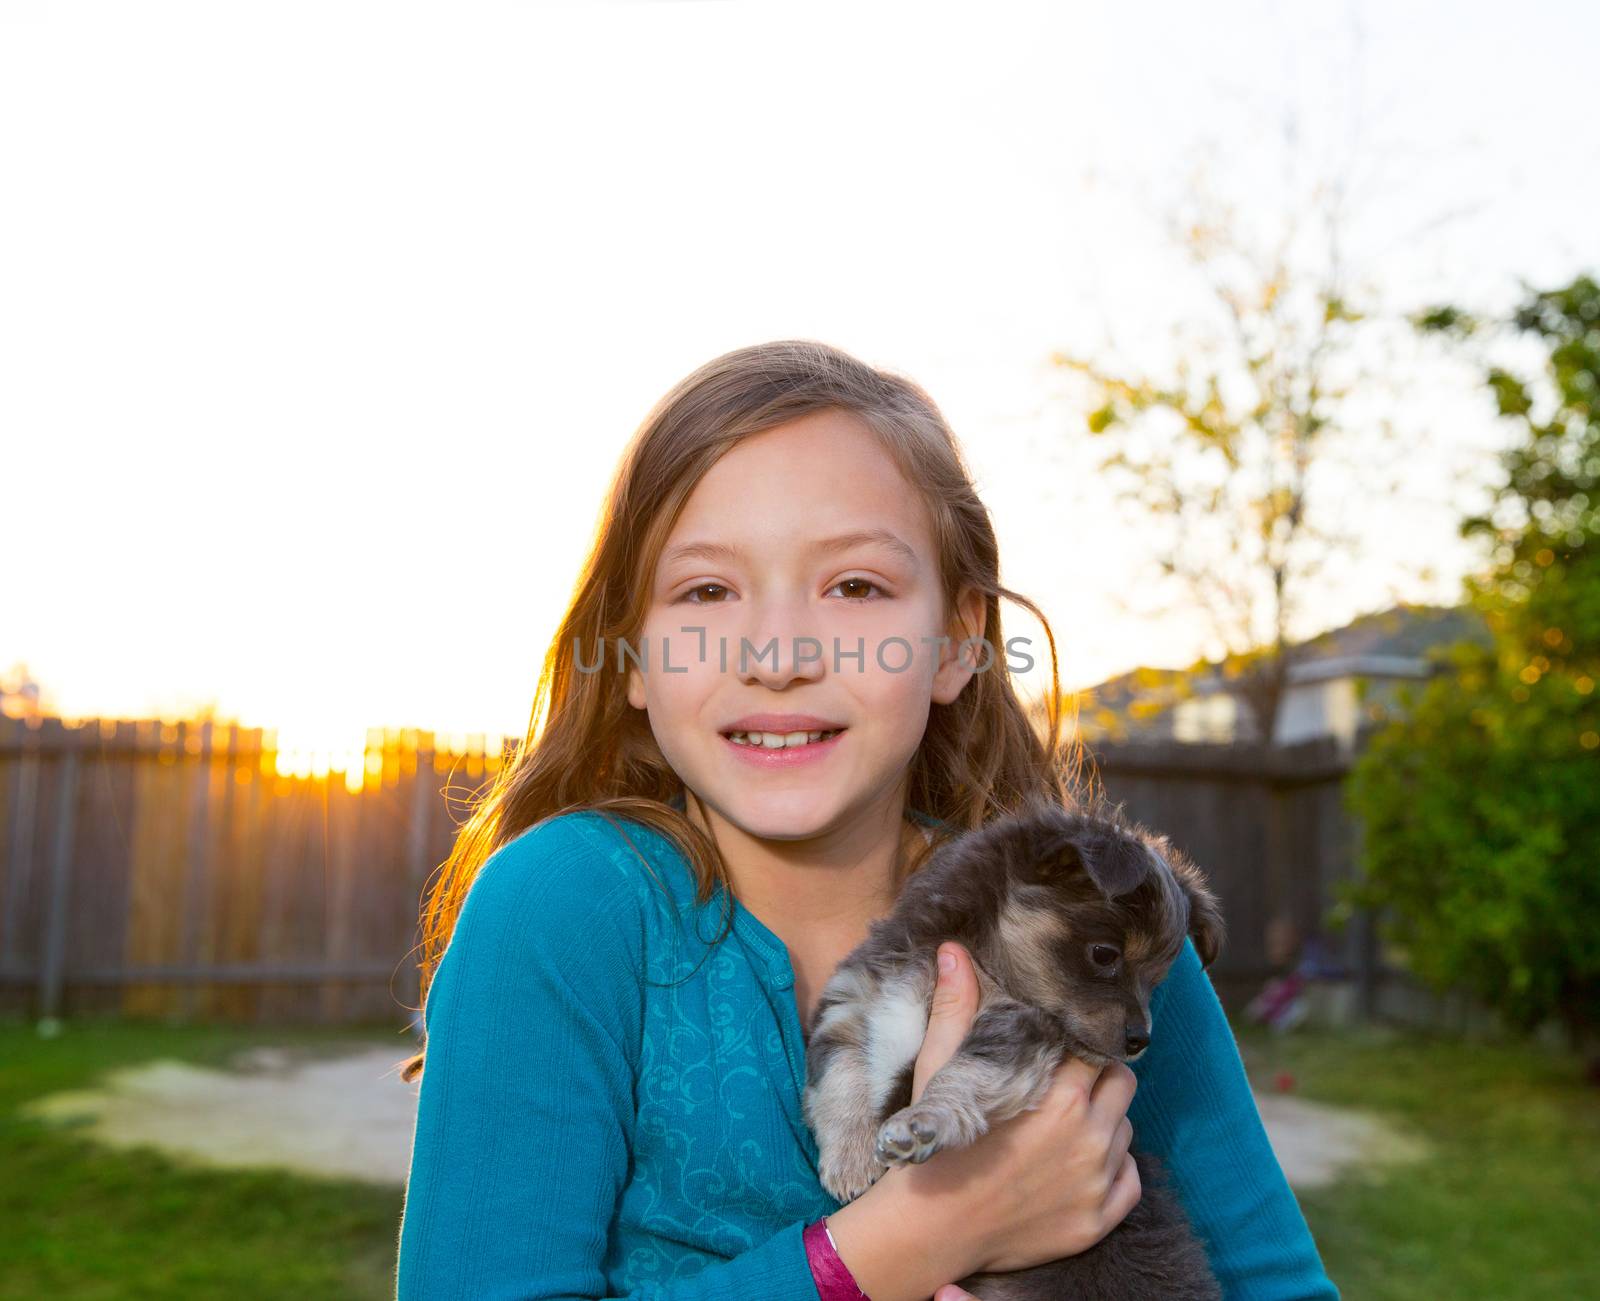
x=781, y=681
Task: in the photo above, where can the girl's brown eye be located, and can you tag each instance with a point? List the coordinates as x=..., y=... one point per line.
x=859, y=582
x=704, y=587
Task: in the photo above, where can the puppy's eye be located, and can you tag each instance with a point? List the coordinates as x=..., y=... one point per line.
x=1103, y=955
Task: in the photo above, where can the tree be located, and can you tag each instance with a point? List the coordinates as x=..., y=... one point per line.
x=1480, y=803
x=1240, y=464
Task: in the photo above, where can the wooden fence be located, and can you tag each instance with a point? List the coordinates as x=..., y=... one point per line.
x=1269, y=828
x=172, y=870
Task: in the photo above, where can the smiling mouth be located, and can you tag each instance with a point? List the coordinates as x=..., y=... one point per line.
x=781, y=740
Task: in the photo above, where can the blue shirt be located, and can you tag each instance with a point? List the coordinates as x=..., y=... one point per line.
x=610, y=1105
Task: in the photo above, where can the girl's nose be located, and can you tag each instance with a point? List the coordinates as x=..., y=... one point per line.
x=778, y=648
x=777, y=660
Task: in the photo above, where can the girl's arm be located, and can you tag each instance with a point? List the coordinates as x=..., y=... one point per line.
x=1194, y=1110
x=534, y=1022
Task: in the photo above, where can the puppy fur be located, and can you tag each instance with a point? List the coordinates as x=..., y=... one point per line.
x=1072, y=917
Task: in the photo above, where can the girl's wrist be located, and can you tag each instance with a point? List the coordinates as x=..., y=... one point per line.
x=832, y=1276
x=896, y=1250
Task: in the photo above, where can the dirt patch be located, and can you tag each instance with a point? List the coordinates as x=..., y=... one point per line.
x=1317, y=1144
x=341, y=1117
x=352, y=1116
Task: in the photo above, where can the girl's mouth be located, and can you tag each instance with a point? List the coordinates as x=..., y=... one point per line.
x=782, y=748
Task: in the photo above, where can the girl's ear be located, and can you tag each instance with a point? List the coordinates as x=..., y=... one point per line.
x=636, y=696
x=958, y=663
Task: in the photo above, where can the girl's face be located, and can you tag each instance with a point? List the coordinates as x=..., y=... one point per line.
x=799, y=581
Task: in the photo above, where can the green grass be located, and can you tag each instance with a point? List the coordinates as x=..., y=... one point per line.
x=1505, y=1207
x=83, y=1222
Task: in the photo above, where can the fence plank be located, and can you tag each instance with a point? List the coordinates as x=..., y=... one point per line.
x=24, y=802
x=60, y=891
x=155, y=884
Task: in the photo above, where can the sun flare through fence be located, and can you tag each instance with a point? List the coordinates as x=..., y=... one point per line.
x=184, y=870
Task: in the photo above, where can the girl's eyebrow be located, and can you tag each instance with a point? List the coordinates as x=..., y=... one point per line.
x=841, y=542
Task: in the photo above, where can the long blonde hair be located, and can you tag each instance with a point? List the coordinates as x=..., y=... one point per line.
x=586, y=747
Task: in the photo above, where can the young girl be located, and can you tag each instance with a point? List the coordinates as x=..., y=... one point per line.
x=781, y=681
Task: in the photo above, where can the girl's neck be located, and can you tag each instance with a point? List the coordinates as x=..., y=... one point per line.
x=820, y=892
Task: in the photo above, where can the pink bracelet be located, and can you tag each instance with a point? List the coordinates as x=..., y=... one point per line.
x=832, y=1275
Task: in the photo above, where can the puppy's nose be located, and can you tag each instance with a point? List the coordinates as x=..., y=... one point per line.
x=1138, y=1041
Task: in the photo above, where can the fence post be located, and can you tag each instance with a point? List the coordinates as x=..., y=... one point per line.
x=55, y=929
x=25, y=791
x=197, y=878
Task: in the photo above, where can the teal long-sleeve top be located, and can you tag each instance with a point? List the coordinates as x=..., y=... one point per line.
x=610, y=1104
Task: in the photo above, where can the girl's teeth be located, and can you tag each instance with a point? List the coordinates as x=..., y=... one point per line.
x=778, y=740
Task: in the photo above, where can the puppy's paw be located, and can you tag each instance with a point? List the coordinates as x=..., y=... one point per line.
x=848, y=1169
x=913, y=1134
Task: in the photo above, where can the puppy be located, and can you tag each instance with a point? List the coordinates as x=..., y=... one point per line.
x=1072, y=918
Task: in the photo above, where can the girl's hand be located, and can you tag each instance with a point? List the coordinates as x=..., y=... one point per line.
x=1041, y=1185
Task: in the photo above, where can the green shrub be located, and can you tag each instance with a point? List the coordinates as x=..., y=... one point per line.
x=1480, y=802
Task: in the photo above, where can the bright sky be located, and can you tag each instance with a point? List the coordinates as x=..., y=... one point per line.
x=322, y=324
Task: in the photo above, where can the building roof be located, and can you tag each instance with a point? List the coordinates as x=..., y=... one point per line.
x=1387, y=644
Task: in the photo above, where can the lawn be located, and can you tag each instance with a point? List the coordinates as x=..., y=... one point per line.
x=1505, y=1208
x=82, y=1222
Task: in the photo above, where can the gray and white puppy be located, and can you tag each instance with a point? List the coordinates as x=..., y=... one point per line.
x=1072, y=918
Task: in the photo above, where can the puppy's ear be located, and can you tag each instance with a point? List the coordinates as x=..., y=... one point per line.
x=1205, y=913
x=1116, y=863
